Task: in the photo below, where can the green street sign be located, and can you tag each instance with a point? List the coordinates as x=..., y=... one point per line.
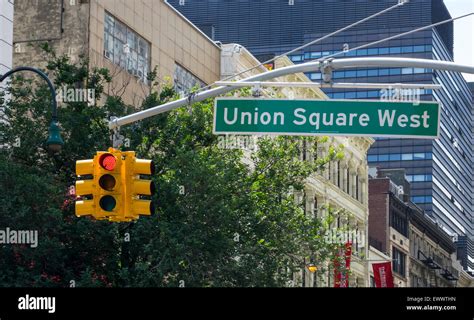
x=327, y=117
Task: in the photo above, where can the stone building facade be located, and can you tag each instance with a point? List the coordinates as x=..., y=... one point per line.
x=432, y=253
x=343, y=185
x=129, y=38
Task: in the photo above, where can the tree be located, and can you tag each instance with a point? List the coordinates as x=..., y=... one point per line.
x=220, y=220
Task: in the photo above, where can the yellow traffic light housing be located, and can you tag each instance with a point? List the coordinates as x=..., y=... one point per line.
x=110, y=186
x=85, y=188
x=138, y=188
x=108, y=179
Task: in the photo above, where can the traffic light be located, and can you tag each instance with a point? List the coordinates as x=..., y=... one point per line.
x=85, y=188
x=138, y=190
x=111, y=186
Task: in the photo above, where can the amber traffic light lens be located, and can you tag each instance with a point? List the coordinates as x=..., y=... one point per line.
x=107, y=182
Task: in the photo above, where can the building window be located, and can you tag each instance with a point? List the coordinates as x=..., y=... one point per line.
x=315, y=76
x=399, y=223
x=350, y=95
x=372, y=73
x=395, y=50
x=419, y=177
x=372, y=158
x=399, y=260
x=372, y=281
x=394, y=157
x=126, y=48
x=297, y=58
x=184, y=80
x=422, y=199
x=398, y=157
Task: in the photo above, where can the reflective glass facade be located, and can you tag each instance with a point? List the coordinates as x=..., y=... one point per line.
x=440, y=170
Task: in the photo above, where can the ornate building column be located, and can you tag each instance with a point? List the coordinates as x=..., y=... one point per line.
x=353, y=177
x=309, y=205
x=345, y=176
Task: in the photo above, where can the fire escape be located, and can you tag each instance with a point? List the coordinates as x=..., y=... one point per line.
x=435, y=264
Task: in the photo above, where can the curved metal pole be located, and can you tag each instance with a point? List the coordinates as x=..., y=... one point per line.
x=54, y=105
x=331, y=64
x=400, y=62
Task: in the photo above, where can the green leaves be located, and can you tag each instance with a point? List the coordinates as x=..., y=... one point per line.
x=221, y=219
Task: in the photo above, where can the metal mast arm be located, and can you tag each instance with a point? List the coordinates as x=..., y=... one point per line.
x=334, y=64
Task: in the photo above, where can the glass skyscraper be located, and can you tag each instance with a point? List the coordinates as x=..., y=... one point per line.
x=441, y=170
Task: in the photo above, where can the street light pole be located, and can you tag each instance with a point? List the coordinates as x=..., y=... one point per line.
x=54, y=142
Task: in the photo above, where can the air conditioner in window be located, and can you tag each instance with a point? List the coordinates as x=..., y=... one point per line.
x=107, y=54
x=126, y=48
x=400, y=190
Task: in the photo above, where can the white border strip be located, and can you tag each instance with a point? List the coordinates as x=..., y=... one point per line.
x=323, y=133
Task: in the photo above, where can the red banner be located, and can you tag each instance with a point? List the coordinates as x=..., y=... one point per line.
x=341, y=279
x=383, y=275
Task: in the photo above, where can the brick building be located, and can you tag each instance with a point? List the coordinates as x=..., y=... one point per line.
x=422, y=253
x=388, y=223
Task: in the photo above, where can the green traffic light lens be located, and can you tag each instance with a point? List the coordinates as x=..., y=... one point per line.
x=107, y=203
x=107, y=182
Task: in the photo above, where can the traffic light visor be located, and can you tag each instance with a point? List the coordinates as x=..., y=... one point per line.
x=143, y=166
x=84, y=167
x=144, y=187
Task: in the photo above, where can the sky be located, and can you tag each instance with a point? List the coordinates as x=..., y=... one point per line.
x=463, y=33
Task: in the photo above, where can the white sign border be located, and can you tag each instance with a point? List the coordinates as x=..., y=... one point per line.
x=324, y=134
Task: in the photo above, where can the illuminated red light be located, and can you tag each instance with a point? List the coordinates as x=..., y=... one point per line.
x=107, y=161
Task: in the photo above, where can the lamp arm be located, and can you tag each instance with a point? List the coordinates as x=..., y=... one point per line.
x=54, y=105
